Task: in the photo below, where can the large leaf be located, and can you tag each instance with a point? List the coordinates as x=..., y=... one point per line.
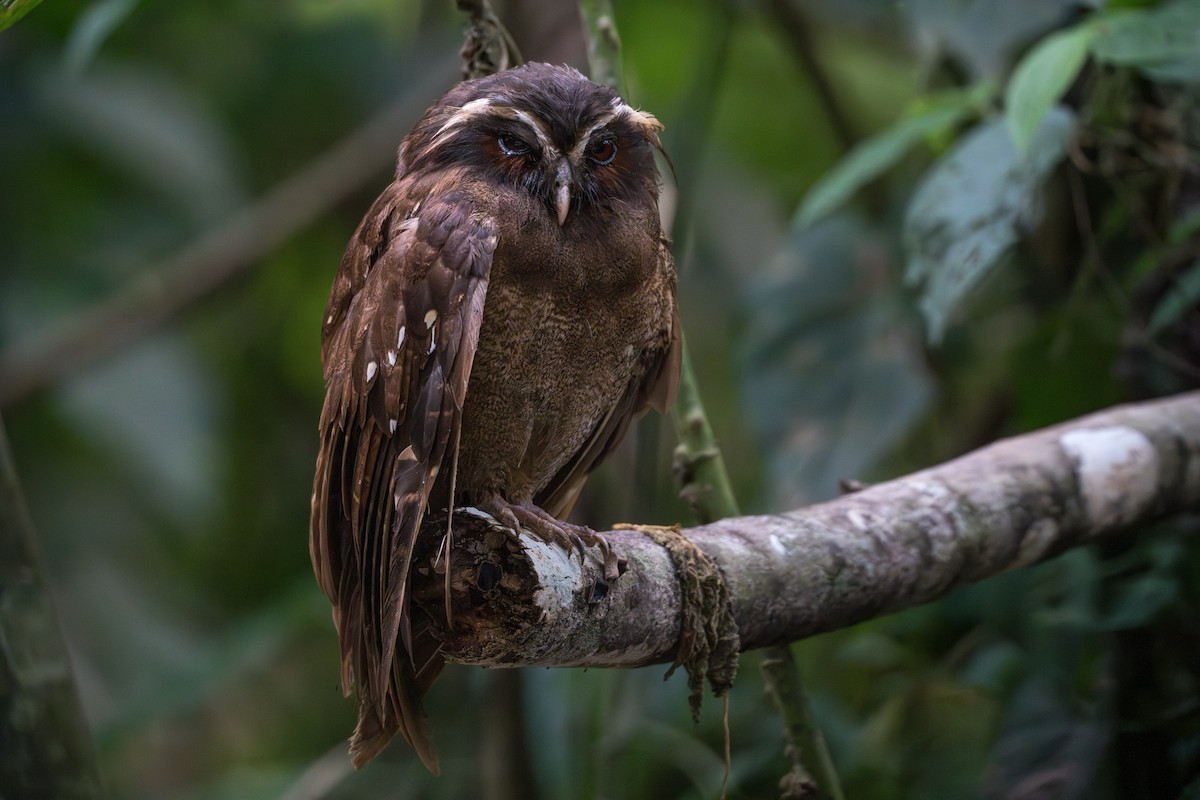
x=876, y=155
x=1151, y=38
x=1041, y=79
x=833, y=372
x=970, y=208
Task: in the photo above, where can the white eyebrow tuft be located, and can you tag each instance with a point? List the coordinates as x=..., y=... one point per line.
x=476, y=104
x=535, y=125
x=465, y=112
x=484, y=105
x=585, y=138
x=643, y=118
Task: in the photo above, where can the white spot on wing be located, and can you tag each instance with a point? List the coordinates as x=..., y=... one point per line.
x=400, y=338
x=430, y=317
x=371, y=367
x=392, y=425
x=392, y=357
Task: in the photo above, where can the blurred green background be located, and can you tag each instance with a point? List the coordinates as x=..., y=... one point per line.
x=850, y=316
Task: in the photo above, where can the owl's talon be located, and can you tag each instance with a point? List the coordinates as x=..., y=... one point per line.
x=567, y=535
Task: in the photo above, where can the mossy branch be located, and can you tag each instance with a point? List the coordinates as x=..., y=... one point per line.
x=880, y=550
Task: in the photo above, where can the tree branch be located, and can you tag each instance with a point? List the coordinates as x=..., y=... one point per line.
x=217, y=257
x=520, y=602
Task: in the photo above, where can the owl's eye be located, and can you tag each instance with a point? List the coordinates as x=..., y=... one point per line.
x=603, y=150
x=512, y=146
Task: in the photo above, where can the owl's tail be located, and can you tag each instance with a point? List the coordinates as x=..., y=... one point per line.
x=401, y=711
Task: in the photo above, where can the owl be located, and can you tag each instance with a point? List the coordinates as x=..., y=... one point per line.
x=503, y=312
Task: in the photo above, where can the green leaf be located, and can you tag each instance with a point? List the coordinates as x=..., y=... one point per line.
x=1180, y=298
x=1041, y=79
x=872, y=157
x=1152, y=40
x=970, y=208
x=13, y=10
x=1182, y=70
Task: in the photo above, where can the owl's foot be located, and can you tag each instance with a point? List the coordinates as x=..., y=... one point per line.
x=568, y=535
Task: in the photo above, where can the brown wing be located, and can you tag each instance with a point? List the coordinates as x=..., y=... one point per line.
x=652, y=386
x=399, y=337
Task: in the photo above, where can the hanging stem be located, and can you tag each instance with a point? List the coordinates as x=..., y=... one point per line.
x=804, y=743
x=702, y=475
x=705, y=481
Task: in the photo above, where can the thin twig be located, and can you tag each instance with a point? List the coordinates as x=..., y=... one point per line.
x=603, y=42
x=803, y=740
x=488, y=47
x=794, y=28
x=698, y=462
x=217, y=257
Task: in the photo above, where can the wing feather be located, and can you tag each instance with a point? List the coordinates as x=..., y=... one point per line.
x=399, y=338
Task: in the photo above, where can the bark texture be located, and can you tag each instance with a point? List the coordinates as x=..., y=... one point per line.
x=519, y=602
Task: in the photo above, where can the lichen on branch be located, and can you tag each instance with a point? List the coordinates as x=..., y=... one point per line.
x=885, y=548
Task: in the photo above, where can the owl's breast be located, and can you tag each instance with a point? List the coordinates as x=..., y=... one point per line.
x=550, y=366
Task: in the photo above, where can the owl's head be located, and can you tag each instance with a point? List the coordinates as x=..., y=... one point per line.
x=573, y=144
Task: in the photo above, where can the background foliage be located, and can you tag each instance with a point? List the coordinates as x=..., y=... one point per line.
x=904, y=230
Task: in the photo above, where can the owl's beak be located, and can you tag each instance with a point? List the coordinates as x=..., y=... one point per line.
x=562, y=190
